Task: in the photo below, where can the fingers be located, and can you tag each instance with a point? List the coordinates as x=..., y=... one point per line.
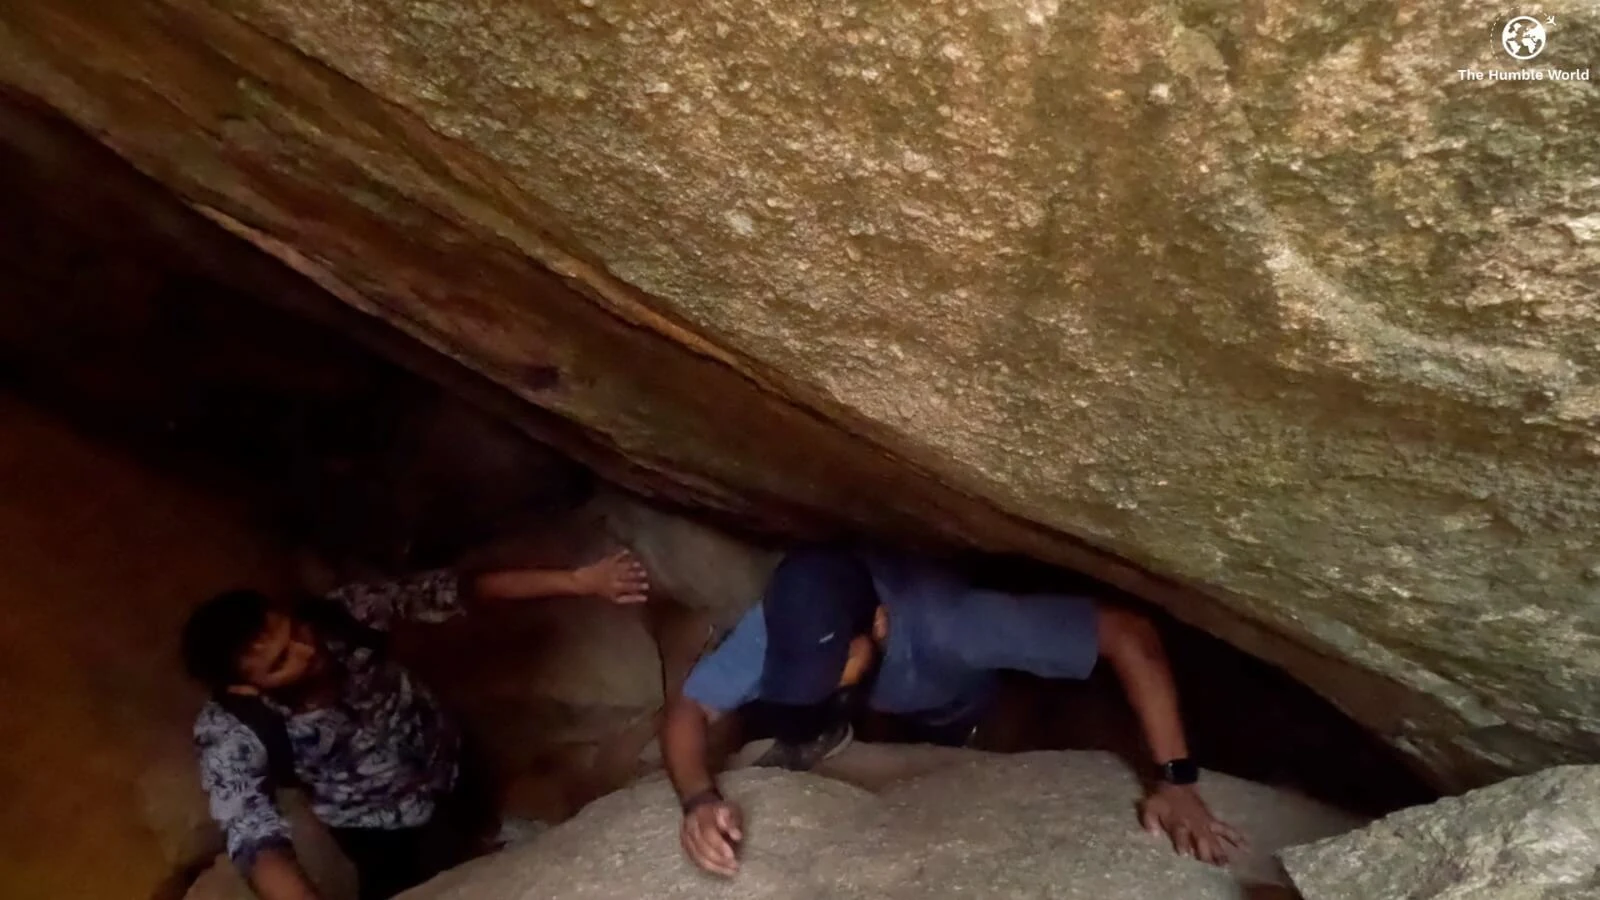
x=1206, y=844
x=630, y=589
x=1182, y=840
x=1231, y=835
x=701, y=855
x=629, y=582
x=625, y=562
x=1223, y=843
x=707, y=848
x=1150, y=819
x=1194, y=831
x=1213, y=844
x=1208, y=849
x=728, y=823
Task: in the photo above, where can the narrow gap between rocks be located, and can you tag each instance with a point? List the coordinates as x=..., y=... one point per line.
x=172, y=432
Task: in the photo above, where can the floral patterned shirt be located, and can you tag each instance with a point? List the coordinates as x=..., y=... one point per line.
x=375, y=759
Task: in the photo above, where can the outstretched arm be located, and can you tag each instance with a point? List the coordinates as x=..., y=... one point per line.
x=438, y=595
x=619, y=578
x=726, y=679
x=683, y=747
x=712, y=827
x=1130, y=643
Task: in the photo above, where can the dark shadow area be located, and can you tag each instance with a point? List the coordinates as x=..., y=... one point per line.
x=141, y=326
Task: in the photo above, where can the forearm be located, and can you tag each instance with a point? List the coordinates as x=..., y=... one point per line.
x=276, y=875
x=684, y=748
x=526, y=584
x=1134, y=650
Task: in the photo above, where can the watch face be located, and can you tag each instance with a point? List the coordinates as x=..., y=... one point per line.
x=1181, y=771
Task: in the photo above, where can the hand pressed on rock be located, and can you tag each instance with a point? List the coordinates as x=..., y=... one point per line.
x=1178, y=811
x=711, y=834
x=620, y=578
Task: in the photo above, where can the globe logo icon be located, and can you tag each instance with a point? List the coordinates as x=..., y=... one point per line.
x=1523, y=37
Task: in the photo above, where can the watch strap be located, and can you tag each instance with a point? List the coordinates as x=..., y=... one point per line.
x=1180, y=771
x=709, y=795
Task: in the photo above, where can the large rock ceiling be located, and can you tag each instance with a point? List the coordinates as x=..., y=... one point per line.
x=1261, y=297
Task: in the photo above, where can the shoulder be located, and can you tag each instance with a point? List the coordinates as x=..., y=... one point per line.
x=219, y=732
x=213, y=720
x=751, y=630
x=727, y=676
x=746, y=640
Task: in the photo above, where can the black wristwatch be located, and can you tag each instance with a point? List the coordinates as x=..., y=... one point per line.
x=709, y=795
x=1180, y=771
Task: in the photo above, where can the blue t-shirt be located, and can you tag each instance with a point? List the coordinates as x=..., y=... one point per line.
x=947, y=642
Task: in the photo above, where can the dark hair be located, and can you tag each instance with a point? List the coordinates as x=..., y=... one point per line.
x=217, y=634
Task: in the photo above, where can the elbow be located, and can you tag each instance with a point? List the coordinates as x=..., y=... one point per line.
x=684, y=731
x=1128, y=637
x=678, y=707
x=687, y=723
x=683, y=712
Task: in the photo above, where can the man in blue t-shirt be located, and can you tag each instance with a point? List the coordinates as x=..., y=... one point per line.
x=919, y=641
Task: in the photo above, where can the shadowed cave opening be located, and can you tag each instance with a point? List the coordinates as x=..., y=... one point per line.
x=152, y=341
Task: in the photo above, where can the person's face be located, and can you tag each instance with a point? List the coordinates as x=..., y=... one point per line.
x=284, y=655
x=864, y=650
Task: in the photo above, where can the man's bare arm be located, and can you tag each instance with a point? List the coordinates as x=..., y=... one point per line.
x=276, y=875
x=619, y=578
x=712, y=827
x=1132, y=645
x=684, y=747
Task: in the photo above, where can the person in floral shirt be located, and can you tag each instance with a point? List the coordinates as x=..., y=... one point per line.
x=371, y=747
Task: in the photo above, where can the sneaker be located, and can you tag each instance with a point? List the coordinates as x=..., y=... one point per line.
x=804, y=757
x=515, y=831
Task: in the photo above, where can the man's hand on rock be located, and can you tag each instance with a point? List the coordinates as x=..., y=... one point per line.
x=711, y=833
x=620, y=578
x=1178, y=811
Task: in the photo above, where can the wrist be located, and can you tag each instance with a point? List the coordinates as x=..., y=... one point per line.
x=1180, y=772
x=701, y=798
x=581, y=582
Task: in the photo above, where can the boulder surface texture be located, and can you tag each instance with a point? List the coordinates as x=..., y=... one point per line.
x=1530, y=838
x=1260, y=310
x=1058, y=825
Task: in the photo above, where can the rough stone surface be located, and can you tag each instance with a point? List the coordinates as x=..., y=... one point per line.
x=1531, y=838
x=1049, y=824
x=103, y=558
x=1261, y=297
